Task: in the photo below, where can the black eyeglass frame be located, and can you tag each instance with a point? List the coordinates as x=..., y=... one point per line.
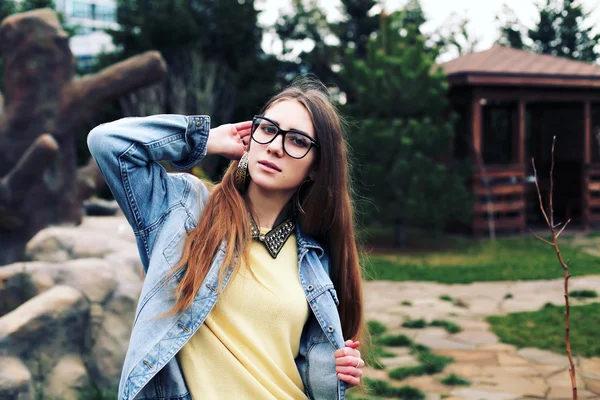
x=283, y=132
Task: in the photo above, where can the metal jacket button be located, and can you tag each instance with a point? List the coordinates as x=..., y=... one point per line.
x=330, y=328
x=310, y=288
x=198, y=123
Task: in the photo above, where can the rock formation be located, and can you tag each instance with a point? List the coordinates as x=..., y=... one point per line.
x=66, y=317
x=40, y=184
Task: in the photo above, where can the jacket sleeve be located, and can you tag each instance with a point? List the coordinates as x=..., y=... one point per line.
x=127, y=152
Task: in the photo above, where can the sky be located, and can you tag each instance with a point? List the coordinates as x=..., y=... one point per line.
x=480, y=13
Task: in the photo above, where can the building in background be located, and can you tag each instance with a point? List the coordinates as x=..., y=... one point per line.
x=90, y=18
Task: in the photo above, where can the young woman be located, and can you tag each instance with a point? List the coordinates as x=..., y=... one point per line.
x=251, y=288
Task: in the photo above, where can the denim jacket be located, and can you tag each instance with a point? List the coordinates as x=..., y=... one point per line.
x=162, y=208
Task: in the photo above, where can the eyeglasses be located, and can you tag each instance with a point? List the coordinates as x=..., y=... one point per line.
x=296, y=144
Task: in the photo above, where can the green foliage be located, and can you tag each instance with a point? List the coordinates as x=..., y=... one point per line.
x=584, y=294
x=28, y=5
x=94, y=392
x=172, y=26
x=455, y=380
x=511, y=31
x=382, y=388
x=403, y=135
x=406, y=303
x=415, y=324
x=505, y=259
x=224, y=32
x=446, y=297
x=450, y=327
x=563, y=29
x=7, y=8
x=376, y=328
x=545, y=329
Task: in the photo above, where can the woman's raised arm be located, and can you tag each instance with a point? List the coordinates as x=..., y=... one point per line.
x=127, y=152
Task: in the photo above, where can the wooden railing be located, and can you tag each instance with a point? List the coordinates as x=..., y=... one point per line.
x=499, y=199
x=591, y=209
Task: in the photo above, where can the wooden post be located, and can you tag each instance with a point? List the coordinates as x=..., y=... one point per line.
x=476, y=128
x=476, y=156
x=521, y=133
x=587, y=160
x=521, y=115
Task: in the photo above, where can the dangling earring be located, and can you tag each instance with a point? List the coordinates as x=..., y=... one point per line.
x=242, y=176
x=297, y=196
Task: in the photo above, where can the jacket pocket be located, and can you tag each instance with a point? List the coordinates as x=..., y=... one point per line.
x=333, y=294
x=174, y=249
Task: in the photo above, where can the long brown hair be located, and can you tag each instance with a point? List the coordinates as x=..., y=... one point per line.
x=328, y=213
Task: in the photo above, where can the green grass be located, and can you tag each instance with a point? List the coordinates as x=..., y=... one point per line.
x=455, y=380
x=415, y=324
x=506, y=259
x=583, y=294
x=445, y=297
x=450, y=327
x=430, y=364
x=382, y=388
x=545, y=329
x=406, y=303
x=376, y=328
x=394, y=341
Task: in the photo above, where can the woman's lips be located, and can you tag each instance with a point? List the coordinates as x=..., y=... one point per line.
x=269, y=166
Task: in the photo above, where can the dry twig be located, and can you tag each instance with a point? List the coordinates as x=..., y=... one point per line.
x=563, y=264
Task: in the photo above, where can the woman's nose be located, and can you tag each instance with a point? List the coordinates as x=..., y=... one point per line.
x=276, y=146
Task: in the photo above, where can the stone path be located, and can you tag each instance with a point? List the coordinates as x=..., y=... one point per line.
x=497, y=371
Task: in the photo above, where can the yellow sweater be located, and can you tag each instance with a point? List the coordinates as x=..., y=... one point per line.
x=245, y=348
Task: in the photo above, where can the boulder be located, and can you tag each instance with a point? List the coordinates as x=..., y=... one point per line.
x=15, y=380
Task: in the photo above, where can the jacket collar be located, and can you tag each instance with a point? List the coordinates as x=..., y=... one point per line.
x=305, y=242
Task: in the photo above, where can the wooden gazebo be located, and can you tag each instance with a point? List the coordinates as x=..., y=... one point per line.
x=510, y=104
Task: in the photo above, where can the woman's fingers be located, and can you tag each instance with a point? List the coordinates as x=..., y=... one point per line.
x=349, y=371
x=346, y=352
x=351, y=380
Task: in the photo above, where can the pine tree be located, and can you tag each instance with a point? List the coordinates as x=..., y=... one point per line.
x=544, y=35
x=402, y=136
x=563, y=30
x=511, y=31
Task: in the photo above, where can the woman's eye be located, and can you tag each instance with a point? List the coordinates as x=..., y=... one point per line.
x=270, y=129
x=299, y=141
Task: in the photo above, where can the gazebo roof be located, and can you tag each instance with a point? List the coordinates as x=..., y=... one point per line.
x=501, y=65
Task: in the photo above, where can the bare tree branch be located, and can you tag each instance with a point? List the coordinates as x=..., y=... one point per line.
x=563, y=264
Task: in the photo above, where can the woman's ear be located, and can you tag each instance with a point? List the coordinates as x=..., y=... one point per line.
x=312, y=174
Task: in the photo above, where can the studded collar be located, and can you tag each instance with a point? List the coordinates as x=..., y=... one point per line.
x=275, y=239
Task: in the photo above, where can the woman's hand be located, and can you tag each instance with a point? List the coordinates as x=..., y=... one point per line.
x=229, y=140
x=348, y=363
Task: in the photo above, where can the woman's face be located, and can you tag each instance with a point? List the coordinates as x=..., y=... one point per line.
x=286, y=173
